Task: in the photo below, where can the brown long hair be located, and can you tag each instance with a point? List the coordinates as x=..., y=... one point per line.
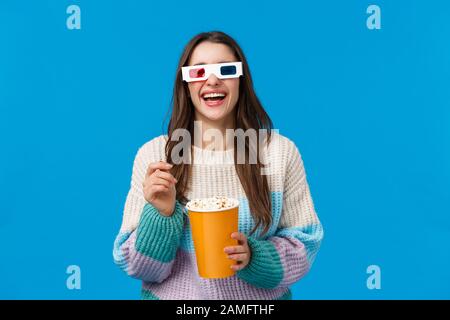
x=249, y=114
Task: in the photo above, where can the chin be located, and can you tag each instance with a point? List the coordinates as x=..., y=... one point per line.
x=214, y=113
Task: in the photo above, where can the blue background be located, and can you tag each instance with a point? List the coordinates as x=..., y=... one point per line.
x=368, y=109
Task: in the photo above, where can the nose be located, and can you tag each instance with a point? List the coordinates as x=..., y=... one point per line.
x=212, y=80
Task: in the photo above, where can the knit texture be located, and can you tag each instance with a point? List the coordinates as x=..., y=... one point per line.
x=159, y=250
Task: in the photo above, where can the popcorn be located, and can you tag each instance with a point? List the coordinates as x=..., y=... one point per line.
x=211, y=204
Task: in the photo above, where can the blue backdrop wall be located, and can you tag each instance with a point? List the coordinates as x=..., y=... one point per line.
x=368, y=109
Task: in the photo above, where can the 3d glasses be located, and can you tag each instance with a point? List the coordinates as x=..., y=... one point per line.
x=225, y=70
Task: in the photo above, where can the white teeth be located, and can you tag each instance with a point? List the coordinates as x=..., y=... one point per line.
x=213, y=95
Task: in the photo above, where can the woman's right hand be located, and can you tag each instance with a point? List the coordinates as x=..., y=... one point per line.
x=159, y=187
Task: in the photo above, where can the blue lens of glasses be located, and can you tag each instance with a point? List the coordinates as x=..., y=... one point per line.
x=227, y=70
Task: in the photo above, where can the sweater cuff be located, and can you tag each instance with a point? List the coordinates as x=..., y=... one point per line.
x=264, y=269
x=158, y=236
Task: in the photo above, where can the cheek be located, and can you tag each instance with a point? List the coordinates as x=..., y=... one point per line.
x=194, y=89
x=234, y=89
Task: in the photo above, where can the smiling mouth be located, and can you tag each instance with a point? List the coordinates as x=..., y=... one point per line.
x=214, y=97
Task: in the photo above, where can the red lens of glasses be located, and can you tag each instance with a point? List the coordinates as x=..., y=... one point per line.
x=197, y=73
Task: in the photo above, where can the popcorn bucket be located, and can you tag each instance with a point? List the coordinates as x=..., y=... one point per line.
x=211, y=233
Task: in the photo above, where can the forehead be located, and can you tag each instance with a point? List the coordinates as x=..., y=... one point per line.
x=208, y=52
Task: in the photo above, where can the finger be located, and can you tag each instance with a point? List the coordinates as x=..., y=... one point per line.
x=234, y=249
x=158, y=181
x=238, y=256
x=237, y=267
x=159, y=188
x=152, y=167
x=165, y=175
x=240, y=237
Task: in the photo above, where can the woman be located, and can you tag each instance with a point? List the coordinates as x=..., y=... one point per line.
x=279, y=231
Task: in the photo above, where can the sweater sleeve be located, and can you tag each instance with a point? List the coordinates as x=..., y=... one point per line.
x=146, y=245
x=286, y=257
x=148, y=253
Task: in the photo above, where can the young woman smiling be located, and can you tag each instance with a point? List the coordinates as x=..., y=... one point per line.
x=279, y=231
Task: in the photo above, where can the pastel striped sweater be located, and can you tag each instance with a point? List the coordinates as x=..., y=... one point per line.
x=159, y=250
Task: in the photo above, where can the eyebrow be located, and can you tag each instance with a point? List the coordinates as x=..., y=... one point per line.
x=200, y=63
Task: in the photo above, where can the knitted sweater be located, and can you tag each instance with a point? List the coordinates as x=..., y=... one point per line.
x=159, y=250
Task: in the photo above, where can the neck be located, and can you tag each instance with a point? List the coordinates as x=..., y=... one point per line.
x=212, y=133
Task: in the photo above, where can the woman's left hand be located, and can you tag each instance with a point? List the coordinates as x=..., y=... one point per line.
x=241, y=253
